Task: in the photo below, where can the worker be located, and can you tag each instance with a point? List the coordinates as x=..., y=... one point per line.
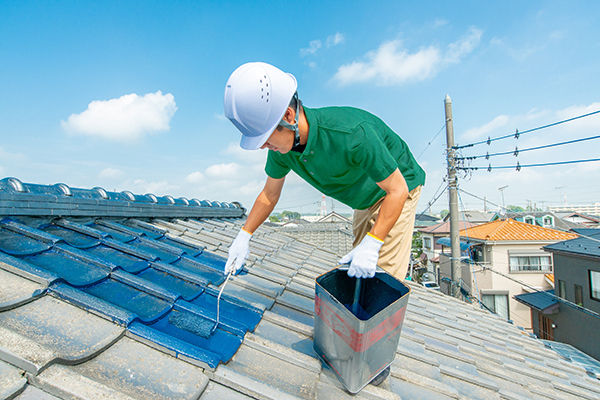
x=344, y=152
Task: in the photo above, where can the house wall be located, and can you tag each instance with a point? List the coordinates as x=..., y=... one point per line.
x=574, y=326
x=575, y=271
x=495, y=283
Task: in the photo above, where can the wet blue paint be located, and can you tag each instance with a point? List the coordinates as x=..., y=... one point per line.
x=75, y=271
x=187, y=290
x=17, y=244
x=214, y=276
x=146, y=306
x=233, y=312
x=126, y=261
x=221, y=343
x=73, y=238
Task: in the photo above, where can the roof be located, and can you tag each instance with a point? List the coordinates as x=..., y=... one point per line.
x=559, y=222
x=543, y=301
x=474, y=216
x=587, y=245
x=443, y=228
x=112, y=307
x=511, y=230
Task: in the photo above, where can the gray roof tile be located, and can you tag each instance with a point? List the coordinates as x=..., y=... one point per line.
x=12, y=380
x=47, y=330
x=127, y=368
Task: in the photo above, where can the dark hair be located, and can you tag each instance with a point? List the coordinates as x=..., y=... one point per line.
x=293, y=104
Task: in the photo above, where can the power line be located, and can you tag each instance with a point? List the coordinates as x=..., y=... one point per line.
x=431, y=141
x=432, y=202
x=516, y=151
x=518, y=167
x=517, y=134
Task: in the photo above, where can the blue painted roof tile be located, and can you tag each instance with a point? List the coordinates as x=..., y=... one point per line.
x=146, y=306
x=188, y=290
x=75, y=271
x=16, y=244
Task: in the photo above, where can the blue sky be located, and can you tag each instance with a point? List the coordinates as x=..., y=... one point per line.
x=129, y=95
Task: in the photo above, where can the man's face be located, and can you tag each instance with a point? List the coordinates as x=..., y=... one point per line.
x=280, y=140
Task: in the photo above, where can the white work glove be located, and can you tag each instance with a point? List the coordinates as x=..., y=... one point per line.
x=238, y=251
x=363, y=258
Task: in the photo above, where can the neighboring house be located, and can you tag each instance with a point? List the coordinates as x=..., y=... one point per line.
x=474, y=216
x=430, y=236
x=334, y=218
x=107, y=295
x=547, y=219
x=294, y=223
x=582, y=220
x=577, y=277
x=508, y=260
x=425, y=220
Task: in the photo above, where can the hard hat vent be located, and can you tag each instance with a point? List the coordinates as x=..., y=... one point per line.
x=264, y=89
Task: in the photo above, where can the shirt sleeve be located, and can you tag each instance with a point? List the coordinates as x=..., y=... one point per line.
x=275, y=167
x=371, y=153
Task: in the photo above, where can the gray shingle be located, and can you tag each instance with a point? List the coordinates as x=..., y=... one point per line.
x=48, y=330
x=128, y=368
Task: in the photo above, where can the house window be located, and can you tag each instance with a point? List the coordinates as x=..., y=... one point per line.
x=595, y=285
x=548, y=221
x=562, y=289
x=496, y=303
x=530, y=263
x=578, y=295
x=427, y=243
x=530, y=220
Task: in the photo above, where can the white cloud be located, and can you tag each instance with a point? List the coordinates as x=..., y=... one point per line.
x=478, y=132
x=457, y=50
x=195, y=177
x=391, y=64
x=221, y=171
x=336, y=39
x=111, y=173
x=124, y=119
x=160, y=188
x=440, y=22
x=314, y=45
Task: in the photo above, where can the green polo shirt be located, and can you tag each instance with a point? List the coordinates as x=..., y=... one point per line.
x=347, y=152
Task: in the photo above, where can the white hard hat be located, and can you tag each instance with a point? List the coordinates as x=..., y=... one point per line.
x=256, y=98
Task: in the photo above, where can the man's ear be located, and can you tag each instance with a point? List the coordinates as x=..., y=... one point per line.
x=289, y=115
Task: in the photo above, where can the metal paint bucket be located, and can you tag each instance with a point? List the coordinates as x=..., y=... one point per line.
x=358, y=346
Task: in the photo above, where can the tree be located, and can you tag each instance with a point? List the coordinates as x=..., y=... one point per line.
x=274, y=218
x=289, y=215
x=443, y=213
x=417, y=244
x=515, y=208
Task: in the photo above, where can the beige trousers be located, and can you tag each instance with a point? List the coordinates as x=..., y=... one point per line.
x=394, y=255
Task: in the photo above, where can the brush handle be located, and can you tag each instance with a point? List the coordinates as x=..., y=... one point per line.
x=219, y=302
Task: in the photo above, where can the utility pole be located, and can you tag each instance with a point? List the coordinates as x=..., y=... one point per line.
x=453, y=199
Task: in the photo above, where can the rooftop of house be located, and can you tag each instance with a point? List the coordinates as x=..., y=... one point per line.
x=475, y=216
x=110, y=297
x=443, y=228
x=588, y=244
x=511, y=230
x=538, y=219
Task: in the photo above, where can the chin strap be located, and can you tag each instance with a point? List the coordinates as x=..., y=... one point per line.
x=294, y=126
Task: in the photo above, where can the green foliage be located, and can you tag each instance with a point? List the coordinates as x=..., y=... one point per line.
x=417, y=244
x=274, y=218
x=443, y=213
x=515, y=208
x=289, y=215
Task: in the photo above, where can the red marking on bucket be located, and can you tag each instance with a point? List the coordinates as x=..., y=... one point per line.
x=359, y=342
